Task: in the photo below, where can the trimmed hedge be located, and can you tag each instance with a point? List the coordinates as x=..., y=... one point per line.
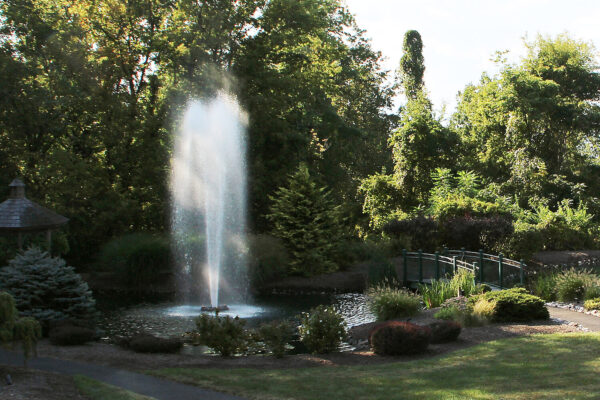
x=514, y=305
x=145, y=343
x=399, y=338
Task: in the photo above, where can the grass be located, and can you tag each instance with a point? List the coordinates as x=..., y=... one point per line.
x=555, y=366
x=96, y=390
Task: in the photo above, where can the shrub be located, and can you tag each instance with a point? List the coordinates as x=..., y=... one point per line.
x=592, y=304
x=477, y=232
x=225, y=335
x=138, y=258
x=387, y=302
x=276, y=335
x=268, y=260
x=322, y=329
x=26, y=330
x=444, y=331
x=483, y=311
x=571, y=284
x=70, y=335
x=451, y=313
x=46, y=289
x=544, y=286
x=145, y=343
x=398, y=338
x=514, y=305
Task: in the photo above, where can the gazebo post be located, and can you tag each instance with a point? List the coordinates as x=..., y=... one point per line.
x=20, y=240
x=49, y=240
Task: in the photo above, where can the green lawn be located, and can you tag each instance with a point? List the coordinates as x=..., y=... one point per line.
x=95, y=390
x=557, y=366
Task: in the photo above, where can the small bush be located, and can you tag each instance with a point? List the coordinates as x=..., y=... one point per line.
x=322, y=329
x=70, y=335
x=483, y=310
x=225, y=335
x=276, y=335
x=513, y=305
x=451, y=313
x=387, y=302
x=398, y=338
x=145, y=343
x=544, y=286
x=571, y=284
x=444, y=331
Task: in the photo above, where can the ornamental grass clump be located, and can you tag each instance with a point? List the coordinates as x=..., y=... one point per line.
x=572, y=284
x=396, y=338
x=322, y=330
x=388, y=302
x=439, y=291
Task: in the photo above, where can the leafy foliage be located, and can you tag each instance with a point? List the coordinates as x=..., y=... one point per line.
x=276, y=335
x=444, y=331
x=225, y=335
x=592, y=304
x=322, y=330
x=46, y=289
x=571, y=284
x=398, y=338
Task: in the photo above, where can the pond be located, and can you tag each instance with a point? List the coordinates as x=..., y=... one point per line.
x=172, y=319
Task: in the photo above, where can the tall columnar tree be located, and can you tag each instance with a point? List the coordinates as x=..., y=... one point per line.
x=412, y=64
x=12, y=328
x=305, y=219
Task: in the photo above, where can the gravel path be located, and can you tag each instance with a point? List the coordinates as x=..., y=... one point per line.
x=590, y=322
x=160, y=389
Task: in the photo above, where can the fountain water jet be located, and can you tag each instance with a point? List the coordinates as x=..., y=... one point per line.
x=208, y=188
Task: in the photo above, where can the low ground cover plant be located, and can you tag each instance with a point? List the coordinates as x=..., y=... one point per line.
x=225, y=335
x=388, y=302
x=510, y=305
x=322, y=329
x=399, y=338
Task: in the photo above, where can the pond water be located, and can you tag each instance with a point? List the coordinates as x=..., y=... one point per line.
x=172, y=319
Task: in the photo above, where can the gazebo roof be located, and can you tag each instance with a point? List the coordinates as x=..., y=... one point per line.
x=21, y=214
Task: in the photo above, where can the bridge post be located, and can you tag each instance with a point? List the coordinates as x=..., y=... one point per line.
x=474, y=273
x=462, y=251
x=500, y=270
x=521, y=265
x=404, y=268
x=437, y=265
x=420, y=266
x=480, y=266
x=453, y=265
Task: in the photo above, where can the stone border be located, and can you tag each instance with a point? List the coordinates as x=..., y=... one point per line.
x=577, y=307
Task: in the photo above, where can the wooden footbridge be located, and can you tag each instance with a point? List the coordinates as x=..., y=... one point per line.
x=494, y=270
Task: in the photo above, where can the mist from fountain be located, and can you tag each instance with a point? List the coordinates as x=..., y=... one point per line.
x=208, y=195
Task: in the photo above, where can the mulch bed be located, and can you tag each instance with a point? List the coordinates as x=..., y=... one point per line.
x=30, y=384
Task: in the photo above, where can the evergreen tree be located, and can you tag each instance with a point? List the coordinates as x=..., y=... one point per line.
x=305, y=219
x=412, y=64
x=46, y=289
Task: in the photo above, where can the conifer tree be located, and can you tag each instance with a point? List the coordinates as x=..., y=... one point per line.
x=45, y=288
x=305, y=219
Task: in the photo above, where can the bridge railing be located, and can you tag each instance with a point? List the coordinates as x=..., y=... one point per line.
x=487, y=268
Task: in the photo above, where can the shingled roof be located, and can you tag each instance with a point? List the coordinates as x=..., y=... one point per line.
x=21, y=214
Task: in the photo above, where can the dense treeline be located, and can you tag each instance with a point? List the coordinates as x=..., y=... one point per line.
x=92, y=92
